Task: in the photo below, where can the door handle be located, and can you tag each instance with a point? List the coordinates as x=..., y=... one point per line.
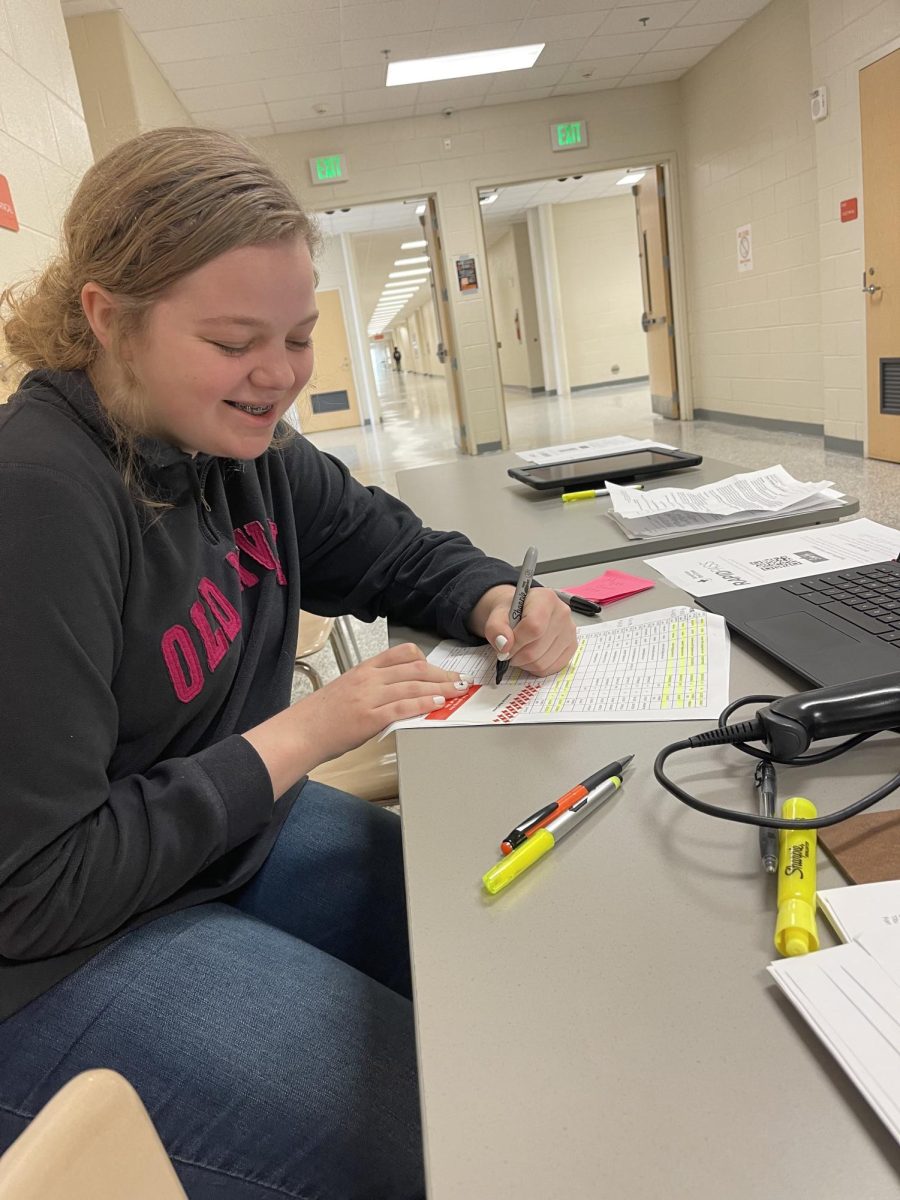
x=870, y=288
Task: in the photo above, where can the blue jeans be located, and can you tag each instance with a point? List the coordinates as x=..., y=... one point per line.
x=269, y=1035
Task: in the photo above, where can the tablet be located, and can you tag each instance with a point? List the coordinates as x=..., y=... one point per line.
x=594, y=472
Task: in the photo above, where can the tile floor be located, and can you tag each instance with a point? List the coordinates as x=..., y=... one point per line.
x=416, y=432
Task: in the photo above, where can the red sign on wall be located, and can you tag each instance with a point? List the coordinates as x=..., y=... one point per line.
x=849, y=209
x=7, y=208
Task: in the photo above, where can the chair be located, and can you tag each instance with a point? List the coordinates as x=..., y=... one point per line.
x=369, y=771
x=92, y=1141
x=312, y=636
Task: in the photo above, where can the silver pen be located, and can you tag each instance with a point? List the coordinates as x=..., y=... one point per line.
x=768, y=838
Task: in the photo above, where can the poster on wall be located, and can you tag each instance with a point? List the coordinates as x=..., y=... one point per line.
x=466, y=275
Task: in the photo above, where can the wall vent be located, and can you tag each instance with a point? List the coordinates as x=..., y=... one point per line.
x=889, y=386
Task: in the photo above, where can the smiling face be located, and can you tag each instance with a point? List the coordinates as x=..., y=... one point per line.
x=223, y=353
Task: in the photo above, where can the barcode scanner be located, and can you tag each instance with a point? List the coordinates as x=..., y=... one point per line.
x=787, y=726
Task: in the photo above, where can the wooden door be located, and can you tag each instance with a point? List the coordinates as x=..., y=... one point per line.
x=329, y=400
x=653, y=250
x=446, y=347
x=879, y=103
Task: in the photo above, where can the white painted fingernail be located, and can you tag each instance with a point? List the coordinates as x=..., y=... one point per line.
x=500, y=642
x=502, y=657
x=461, y=685
x=438, y=700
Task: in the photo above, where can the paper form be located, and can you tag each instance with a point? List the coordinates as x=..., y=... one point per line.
x=670, y=665
x=851, y=998
x=861, y=907
x=753, y=495
x=593, y=448
x=750, y=562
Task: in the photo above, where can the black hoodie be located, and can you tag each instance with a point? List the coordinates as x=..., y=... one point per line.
x=135, y=649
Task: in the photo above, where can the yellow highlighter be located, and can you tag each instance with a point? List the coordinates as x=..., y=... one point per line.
x=543, y=840
x=795, y=929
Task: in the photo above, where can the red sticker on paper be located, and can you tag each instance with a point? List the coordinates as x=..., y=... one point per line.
x=8, y=218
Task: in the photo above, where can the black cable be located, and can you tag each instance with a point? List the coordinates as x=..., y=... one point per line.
x=744, y=731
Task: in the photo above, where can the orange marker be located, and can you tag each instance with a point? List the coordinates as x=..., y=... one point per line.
x=543, y=816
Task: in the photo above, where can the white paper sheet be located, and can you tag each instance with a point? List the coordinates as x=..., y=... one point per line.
x=593, y=448
x=850, y=995
x=670, y=665
x=753, y=495
x=861, y=907
x=778, y=557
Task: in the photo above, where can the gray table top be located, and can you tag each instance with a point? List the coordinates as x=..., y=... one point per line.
x=502, y=517
x=606, y=1027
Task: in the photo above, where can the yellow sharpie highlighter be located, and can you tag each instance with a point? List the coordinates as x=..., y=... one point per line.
x=795, y=929
x=539, y=843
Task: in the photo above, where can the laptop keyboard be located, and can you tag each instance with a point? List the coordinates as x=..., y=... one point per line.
x=868, y=597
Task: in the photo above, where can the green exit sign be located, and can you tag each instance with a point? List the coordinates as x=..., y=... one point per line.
x=568, y=135
x=328, y=168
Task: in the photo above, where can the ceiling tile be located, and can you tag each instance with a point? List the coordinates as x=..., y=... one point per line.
x=298, y=126
x=388, y=19
x=558, y=8
x=647, y=16
x=234, y=118
x=573, y=88
x=354, y=79
x=617, y=44
x=524, y=81
x=363, y=118
x=366, y=52
x=651, y=77
x=600, y=68
x=304, y=108
x=544, y=29
x=451, y=14
x=307, y=83
x=384, y=99
x=698, y=35
x=223, y=95
x=429, y=107
x=706, y=12
x=671, y=60
x=464, y=38
x=517, y=97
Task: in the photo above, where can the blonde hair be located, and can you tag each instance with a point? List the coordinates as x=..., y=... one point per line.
x=151, y=211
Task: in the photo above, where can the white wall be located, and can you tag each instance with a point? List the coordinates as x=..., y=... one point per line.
x=751, y=159
x=600, y=285
x=44, y=146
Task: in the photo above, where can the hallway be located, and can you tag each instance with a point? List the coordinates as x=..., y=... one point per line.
x=416, y=431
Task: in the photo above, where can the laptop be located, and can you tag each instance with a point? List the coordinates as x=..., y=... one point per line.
x=832, y=628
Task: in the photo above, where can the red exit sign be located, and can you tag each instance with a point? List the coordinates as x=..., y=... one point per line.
x=8, y=219
x=849, y=209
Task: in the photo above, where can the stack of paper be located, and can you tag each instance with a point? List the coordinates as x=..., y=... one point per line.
x=753, y=496
x=850, y=995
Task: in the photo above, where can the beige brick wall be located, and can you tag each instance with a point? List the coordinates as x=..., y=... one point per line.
x=845, y=35
x=44, y=147
x=750, y=159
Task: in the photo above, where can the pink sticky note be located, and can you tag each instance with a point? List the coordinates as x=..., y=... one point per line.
x=611, y=585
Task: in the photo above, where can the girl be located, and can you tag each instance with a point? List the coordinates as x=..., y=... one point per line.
x=175, y=901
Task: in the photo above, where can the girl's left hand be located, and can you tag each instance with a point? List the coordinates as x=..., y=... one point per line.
x=543, y=641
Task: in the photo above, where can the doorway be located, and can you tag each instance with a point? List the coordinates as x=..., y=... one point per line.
x=386, y=260
x=879, y=99
x=580, y=286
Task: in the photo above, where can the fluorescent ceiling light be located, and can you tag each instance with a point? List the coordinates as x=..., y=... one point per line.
x=411, y=271
x=489, y=198
x=412, y=245
x=456, y=66
x=408, y=262
x=631, y=177
x=402, y=285
x=420, y=210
